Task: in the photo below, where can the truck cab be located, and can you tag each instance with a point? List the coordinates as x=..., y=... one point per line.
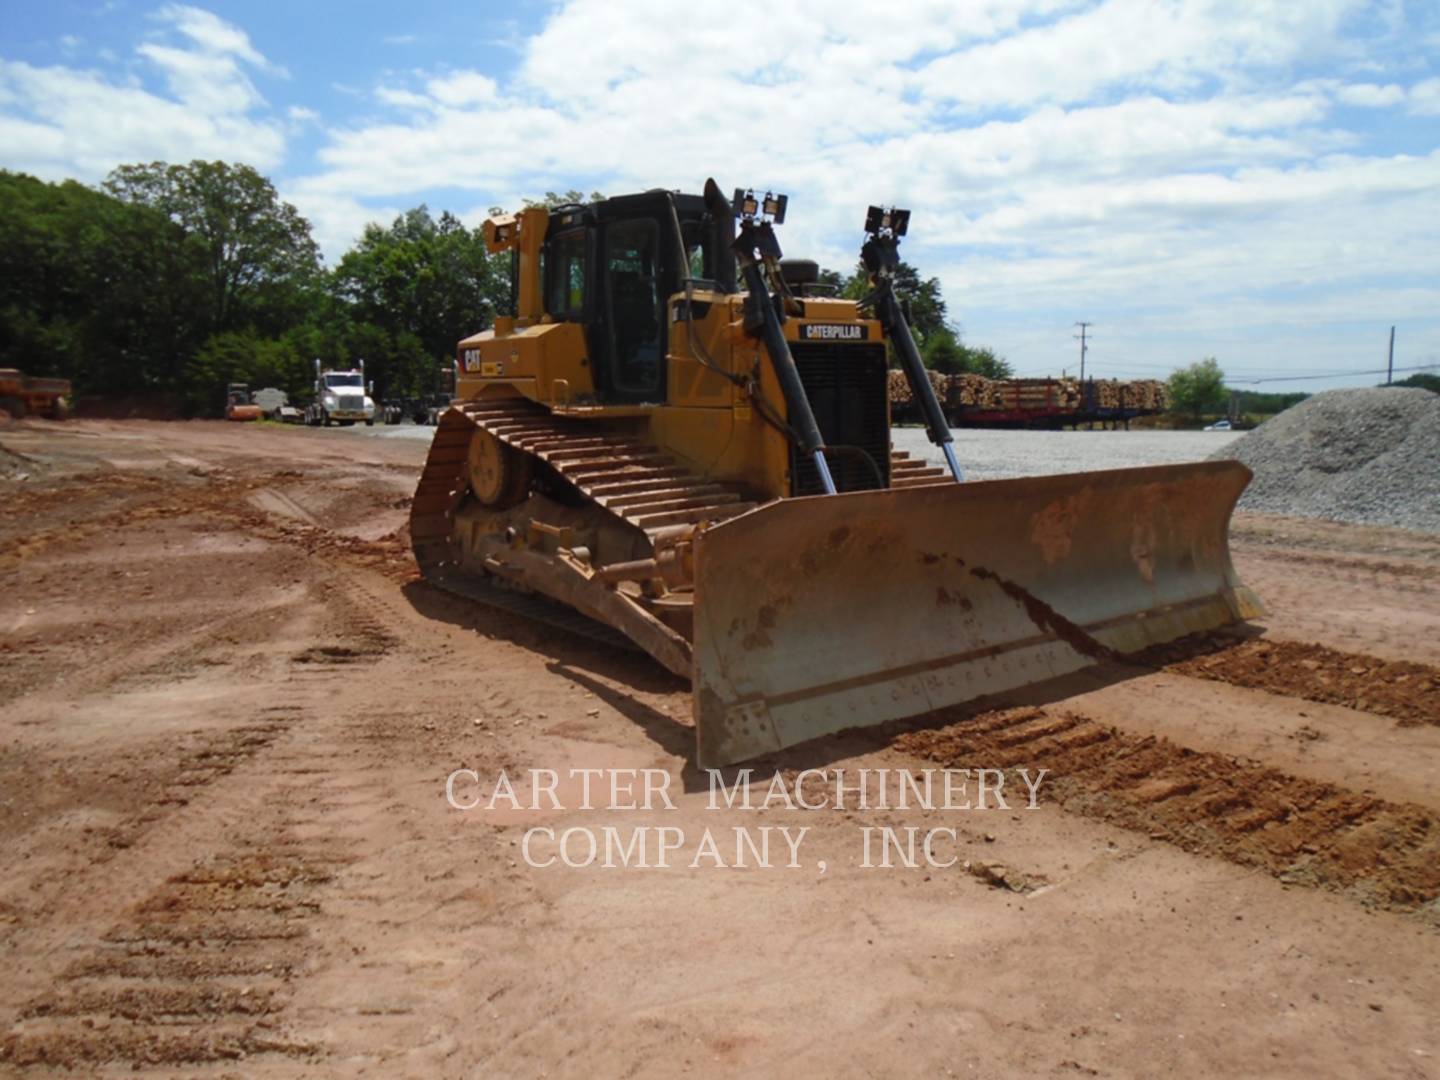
x=340, y=397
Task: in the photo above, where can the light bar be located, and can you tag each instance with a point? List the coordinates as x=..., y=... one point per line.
x=770, y=207
x=894, y=221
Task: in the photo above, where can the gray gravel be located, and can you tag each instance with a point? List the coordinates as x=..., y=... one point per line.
x=998, y=455
x=1366, y=456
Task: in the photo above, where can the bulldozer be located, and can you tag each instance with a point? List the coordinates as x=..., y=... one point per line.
x=683, y=437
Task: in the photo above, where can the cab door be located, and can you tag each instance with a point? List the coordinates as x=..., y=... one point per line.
x=630, y=330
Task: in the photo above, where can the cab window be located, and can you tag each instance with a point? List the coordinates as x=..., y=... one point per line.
x=565, y=268
x=699, y=252
x=633, y=301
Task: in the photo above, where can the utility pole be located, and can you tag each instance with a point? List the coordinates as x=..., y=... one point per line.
x=1390, y=364
x=1083, y=327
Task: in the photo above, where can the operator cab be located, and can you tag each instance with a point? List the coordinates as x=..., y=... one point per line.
x=613, y=265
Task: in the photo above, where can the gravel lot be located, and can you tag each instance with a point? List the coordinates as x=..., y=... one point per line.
x=994, y=455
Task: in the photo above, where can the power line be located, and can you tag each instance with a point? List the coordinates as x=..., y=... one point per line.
x=1332, y=375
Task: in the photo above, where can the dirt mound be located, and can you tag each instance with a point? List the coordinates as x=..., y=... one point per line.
x=1365, y=456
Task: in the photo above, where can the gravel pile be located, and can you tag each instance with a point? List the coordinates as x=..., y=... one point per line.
x=1365, y=456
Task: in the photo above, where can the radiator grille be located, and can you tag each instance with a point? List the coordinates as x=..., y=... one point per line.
x=849, y=394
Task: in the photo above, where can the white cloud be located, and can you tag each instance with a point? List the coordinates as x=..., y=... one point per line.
x=1153, y=158
x=61, y=121
x=462, y=88
x=213, y=84
x=1370, y=96
x=213, y=34
x=1173, y=45
x=1425, y=98
x=1149, y=163
x=65, y=122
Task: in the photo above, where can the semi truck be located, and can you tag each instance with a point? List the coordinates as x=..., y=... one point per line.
x=341, y=397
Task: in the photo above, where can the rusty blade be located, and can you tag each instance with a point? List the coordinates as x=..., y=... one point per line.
x=817, y=614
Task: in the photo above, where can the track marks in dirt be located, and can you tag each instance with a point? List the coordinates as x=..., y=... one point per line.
x=1304, y=832
x=88, y=505
x=1407, y=692
x=199, y=975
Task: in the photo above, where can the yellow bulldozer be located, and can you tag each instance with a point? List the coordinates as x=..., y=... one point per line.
x=686, y=438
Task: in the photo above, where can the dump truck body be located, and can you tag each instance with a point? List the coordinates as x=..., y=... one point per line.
x=29, y=395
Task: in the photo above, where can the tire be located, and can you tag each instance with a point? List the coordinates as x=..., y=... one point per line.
x=325, y=420
x=62, y=409
x=14, y=406
x=370, y=423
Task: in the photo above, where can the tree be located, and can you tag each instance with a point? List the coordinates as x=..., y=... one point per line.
x=553, y=199
x=417, y=287
x=1422, y=380
x=924, y=306
x=947, y=354
x=100, y=291
x=1198, y=389
x=258, y=255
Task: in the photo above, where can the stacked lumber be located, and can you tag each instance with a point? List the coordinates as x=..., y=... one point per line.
x=1106, y=393
x=1027, y=394
x=1150, y=394
x=900, y=388
x=976, y=392
x=972, y=392
x=938, y=382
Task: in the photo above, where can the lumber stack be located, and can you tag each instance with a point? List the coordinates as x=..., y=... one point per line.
x=1149, y=394
x=972, y=392
x=978, y=394
x=900, y=389
x=1030, y=394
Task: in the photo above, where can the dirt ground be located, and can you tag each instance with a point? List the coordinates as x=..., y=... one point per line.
x=230, y=711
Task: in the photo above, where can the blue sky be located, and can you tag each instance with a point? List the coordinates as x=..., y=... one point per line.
x=1253, y=180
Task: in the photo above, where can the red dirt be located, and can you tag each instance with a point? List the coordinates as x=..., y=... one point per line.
x=225, y=849
x=1406, y=691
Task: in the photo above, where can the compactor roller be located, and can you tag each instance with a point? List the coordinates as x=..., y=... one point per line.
x=686, y=441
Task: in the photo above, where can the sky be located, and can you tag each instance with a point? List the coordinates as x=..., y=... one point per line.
x=1254, y=180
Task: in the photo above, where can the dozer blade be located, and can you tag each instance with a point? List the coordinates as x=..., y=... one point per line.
x=813, y=615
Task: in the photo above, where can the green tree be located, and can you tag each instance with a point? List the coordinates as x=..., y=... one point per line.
x=1198, y=389
x=552, y=199
x=416, y=288
x=925, y=308
x=258, y=255
x=99, y=291
x=947, y=354
x=1422, y=380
